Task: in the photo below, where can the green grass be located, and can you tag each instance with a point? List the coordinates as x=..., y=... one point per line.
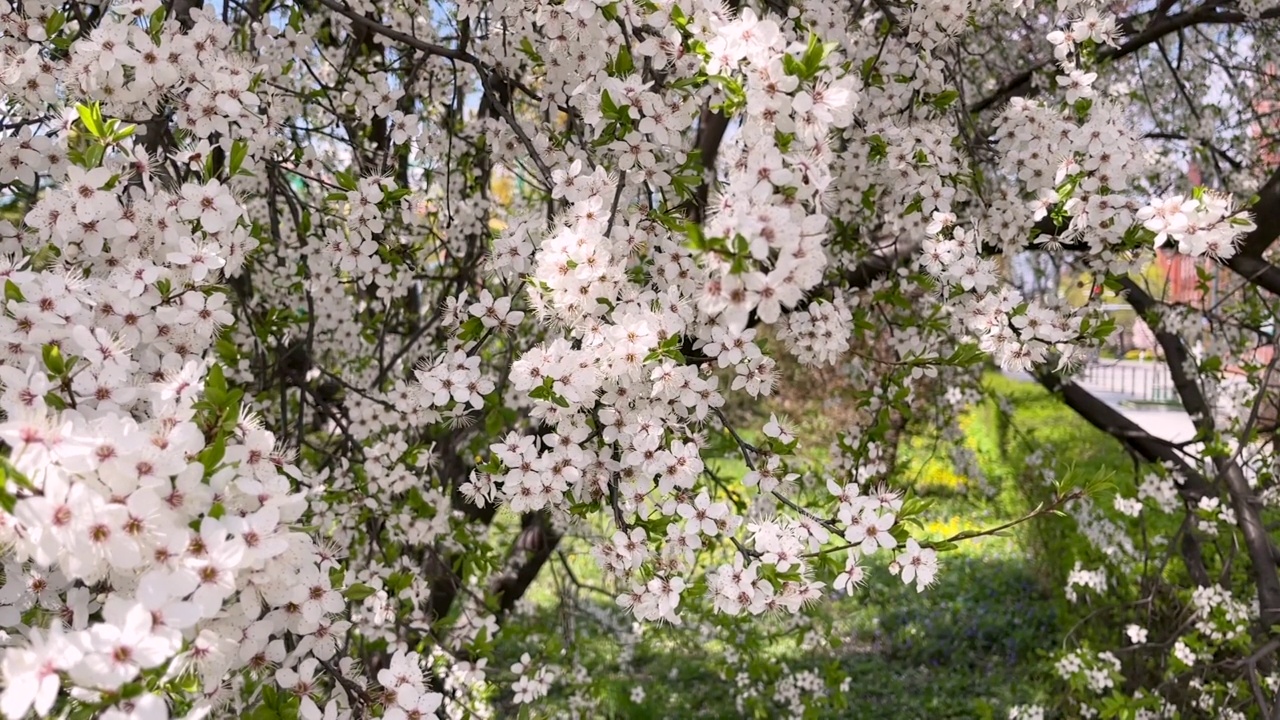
x=972, y=646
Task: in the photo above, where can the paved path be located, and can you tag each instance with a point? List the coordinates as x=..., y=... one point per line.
x=1172, y=423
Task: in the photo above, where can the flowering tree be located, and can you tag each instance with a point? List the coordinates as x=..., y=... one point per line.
x=326, y=322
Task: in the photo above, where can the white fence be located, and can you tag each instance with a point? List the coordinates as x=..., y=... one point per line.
x=1134, y=379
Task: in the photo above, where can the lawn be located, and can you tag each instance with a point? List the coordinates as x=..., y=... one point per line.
x=973, y=646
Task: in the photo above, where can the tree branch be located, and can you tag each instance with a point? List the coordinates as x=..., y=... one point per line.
x=534, y=545
x=1243, y=499
x=1266, y=218
x=1159, y=26
x=1109, y=420
x=393, y=34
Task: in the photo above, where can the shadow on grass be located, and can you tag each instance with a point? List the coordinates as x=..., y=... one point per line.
x=970, y=647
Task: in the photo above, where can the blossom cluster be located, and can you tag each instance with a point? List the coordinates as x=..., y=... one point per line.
x=151, y=521
x=293, y=327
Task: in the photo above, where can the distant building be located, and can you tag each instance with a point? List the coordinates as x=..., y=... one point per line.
x=1181, y=274
x=1182, y=280
x=1267, y=129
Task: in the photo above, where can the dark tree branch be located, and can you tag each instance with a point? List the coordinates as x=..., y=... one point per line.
x=532, y=549
x=711, y=129
x=1266, y=216
x=1109, y=420
x=878, y=266
x=1194, y=558
x=1160, y=25
x=393, y=34
x=1243, y=499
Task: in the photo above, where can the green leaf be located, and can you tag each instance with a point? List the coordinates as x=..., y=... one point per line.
x=622, y=65
x=10, y=474
x=815, y=52
x=868, y=67
x=346, y=181
x=879, y=148
x=546, y=392
x=394, y=196
x=212, y=455
x=12, y=292
x=398, y=582
x=53, y=359
x=227, y=350
x=607, y=107
x=91, y=116
x=965, y=355
x=93, y=155
x=14, y=475
x=526, y=47
x=239, y=150
x=156, y=23
x=215, y=386
x=943, y=100
x=471, y=329
x=123, y=133
x=359, y=592
x=55, y=23
x=262, y=712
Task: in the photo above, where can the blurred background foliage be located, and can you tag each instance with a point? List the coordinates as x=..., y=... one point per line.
x=977, y=644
